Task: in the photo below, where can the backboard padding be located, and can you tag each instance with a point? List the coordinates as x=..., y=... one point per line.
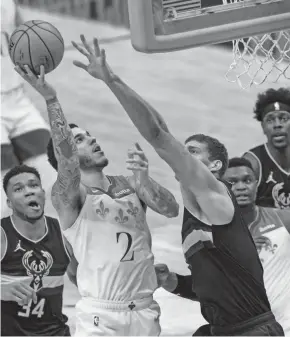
x=203, y=29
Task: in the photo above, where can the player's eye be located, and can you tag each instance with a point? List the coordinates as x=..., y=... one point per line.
x=34, y=185
x=79, y=140
x=284, y=118
x=18, y=189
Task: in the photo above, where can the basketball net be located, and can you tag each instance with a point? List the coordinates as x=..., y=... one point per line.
x=258, y=59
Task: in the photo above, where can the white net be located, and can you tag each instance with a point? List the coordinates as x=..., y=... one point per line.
x=259, y=59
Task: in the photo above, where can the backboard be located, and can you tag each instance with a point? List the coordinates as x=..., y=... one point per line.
x=167, y=25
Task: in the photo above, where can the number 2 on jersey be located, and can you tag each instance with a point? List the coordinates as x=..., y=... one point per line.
x=129, y=237
x=37, y=310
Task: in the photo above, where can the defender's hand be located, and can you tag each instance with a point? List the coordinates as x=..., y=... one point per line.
x=165, y=279
x=138, y=163
x=97, y=66
x=37, y=82
x=18, y=292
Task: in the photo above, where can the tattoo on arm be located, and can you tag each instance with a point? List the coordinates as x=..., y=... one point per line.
x=158, y=198
x=67, y=185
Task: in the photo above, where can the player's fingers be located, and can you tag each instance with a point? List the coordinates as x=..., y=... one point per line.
x=20, y=297
x=136, y=161
x=29, y=72
x=80, y=49
x=136, y=169
x=42, y=74
x=141, y=154
x=162, y=268
x=97, y=47
x=34, y=297
x=20, y=71
x=103, y=57
x=80, y=65
x=86, y=45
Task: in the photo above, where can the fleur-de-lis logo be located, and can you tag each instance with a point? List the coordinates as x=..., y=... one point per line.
x=102, y=211
x=121, y=219
x=132, y=210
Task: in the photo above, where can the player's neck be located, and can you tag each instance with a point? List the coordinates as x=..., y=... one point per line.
x=96, y=179
x=249, y=213
x=31, y=229
x=281, y=156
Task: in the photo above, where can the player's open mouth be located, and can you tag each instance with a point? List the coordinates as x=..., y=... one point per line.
x=279, y=137
x=242, y=197
x=34, y=205
x=96, y=148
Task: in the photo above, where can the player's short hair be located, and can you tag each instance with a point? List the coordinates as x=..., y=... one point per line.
x=216, y=149
x=270, y=96
x=50, y=150
x=18, y=170
x=239, y=162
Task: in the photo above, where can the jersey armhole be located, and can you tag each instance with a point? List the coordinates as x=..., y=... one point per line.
x=62, y=238
x=6, y=243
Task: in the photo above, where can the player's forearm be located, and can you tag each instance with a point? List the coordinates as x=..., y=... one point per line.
x=144, y=117
x=158, y=198
x=184, y=287
x=63, y=141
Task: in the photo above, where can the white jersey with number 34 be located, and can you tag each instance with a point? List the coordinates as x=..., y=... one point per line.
x=112, y=244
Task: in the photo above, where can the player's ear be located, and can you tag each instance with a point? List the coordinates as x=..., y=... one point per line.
x=215, y=166
x=9, y=204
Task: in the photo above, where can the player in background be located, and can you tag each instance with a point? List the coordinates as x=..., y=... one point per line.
x=271, y=161
x=24, y=133
x=104, y=219
x=33, y=261
x=270, y=228
x=227, y=274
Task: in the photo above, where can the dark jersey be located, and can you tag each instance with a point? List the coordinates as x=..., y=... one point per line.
x=227, y=275
x=274, y=182
x=42, y=265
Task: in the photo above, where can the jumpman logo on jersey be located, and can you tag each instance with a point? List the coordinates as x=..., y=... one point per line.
x=18, y=247
x=270, y=178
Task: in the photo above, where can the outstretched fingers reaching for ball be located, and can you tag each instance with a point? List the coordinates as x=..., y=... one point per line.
x=37, y=82
x=97, y=66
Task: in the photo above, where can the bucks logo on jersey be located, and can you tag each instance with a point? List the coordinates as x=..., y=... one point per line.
x=281, y=196
x=37, y=267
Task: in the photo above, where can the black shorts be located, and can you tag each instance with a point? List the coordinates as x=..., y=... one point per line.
x=262, y=325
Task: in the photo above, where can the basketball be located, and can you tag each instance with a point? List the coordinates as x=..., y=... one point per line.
x=36, y=43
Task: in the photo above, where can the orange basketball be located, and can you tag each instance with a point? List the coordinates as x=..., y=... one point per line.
x=36, y=43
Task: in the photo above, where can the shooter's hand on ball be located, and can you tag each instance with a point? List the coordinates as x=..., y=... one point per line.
x=37, y=82
x=97, y=66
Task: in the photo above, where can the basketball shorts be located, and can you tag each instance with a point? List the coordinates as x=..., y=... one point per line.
x=132, y=318
x=24, y=133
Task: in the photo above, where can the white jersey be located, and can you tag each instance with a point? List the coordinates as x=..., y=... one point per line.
x=112, y=244
x=9, y=78
x=273, y=243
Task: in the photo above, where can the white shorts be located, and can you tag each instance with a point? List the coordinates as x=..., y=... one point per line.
x=133, y=318
x=18, y=116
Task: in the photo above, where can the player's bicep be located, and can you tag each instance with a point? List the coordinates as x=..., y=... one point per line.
x=218, y=207
x=3, y=243
x=188, y=169
x=255, y=163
